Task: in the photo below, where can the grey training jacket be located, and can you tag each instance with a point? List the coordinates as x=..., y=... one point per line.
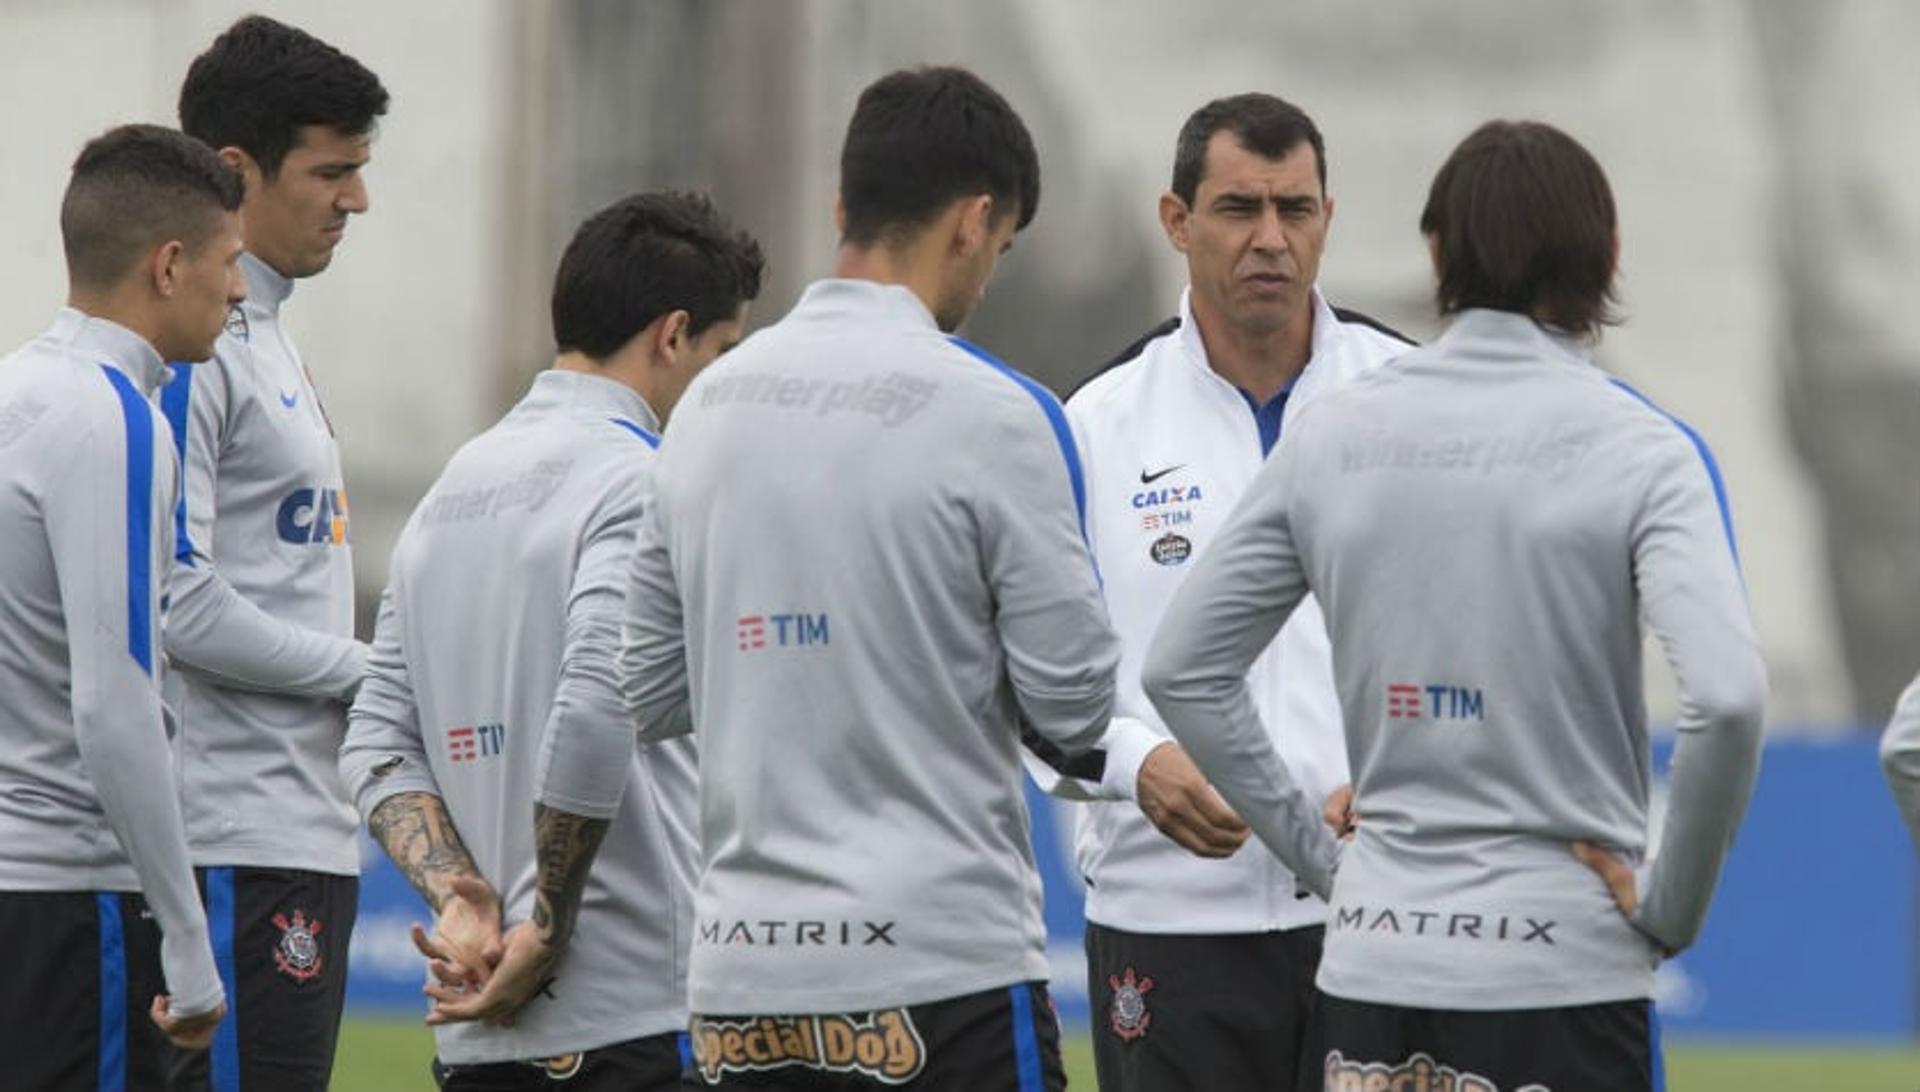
x=1487, y=523
x=870, y=534
x=261, y=631
x=494, y=684
x=88, y=799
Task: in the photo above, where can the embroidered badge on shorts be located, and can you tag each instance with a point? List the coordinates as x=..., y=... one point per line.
x=1128, y=1015
x=297, y=955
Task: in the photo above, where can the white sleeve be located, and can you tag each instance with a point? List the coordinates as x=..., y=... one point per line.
x=1061, y=652
x=210, y=626
x=383, y=754
x=653, y=653
x=587, y=753
x=1692, y=599
x=1228, y=610
x=102, y=530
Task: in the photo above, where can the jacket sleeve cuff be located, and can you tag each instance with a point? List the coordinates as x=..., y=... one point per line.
x=1127, y=744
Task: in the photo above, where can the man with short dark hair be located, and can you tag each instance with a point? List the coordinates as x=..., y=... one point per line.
x=490, y=747
x=1487, y=524
x=864, y=567
x=1200, y=959
x=93, y=853
x=262, y=624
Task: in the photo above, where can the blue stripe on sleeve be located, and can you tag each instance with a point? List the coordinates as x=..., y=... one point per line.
x=224, y=1066
x=650, y=439
x=1654, y=1049
x=175, y=398
x=139, y=419
x=685, y=1043
x=1056, y=416
x=1706, y=456
x=1026, y=1045
x=112, y=1071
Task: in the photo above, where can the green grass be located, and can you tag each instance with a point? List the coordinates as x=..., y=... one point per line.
x=391, y=1055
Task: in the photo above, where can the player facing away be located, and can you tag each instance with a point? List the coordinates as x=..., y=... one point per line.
x=1900, y=756
x=90, y=817
x=1200, y=959
x=491, y=748
x=1488, y=523
x=862, y=574
x=261, y=630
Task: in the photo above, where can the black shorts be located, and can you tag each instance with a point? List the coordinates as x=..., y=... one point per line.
x=1000, y=1040
x=1200, y=1011
x=280, y=940
x=73, y=1010
x=1611, y=1047
x=657, y=1063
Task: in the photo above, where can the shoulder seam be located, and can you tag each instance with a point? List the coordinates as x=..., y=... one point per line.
x=1358, y=318
x=1131, y=352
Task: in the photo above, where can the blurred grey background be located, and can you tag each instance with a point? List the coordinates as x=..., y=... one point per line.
x=1762, y=151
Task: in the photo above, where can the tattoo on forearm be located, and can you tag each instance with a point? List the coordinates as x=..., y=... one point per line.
x=416, y=831
x=564, y=845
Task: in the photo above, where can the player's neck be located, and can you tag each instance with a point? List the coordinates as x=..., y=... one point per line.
x=118, y=305
x=1261, y=362
x=630, y=367
x=916, y=266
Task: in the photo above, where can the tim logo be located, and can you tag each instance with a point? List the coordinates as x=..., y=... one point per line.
x=313, y=516
x=1408, y=701
x=477, y=742
x=757, y=631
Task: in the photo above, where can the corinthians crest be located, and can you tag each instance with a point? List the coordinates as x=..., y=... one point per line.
x=298, y=953
x=1128, y=1016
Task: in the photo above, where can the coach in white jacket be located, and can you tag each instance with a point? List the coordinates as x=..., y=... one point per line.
x=1201, y=959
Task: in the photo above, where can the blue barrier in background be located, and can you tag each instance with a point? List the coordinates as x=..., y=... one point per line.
x=1812, y=934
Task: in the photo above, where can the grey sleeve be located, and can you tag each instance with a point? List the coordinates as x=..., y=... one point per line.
x=1900, y=756
x=1231, y=605
x=210, y=626
x=1060, y=648
x=383, y=754
x=117, y=718
x=653, y=652
x=587, y=752
x=1692, y=599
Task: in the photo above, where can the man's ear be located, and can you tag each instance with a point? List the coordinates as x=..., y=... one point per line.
x=163, y=267
x=1174, y=217
x=973, y=229
x=670, y=335
x=247, y=167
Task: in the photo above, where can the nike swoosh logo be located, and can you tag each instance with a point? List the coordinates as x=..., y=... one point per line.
x=1149, y=479
x=290, y=400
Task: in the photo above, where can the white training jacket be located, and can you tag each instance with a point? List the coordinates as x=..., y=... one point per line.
x=261, y=630
x=494, y=684
x=88, y=800
x=1169, y=445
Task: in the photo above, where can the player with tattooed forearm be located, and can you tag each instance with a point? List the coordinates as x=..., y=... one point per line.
x=491, y=748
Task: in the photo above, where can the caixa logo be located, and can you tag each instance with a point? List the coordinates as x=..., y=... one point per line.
x=758, y=631
x=313, y=516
